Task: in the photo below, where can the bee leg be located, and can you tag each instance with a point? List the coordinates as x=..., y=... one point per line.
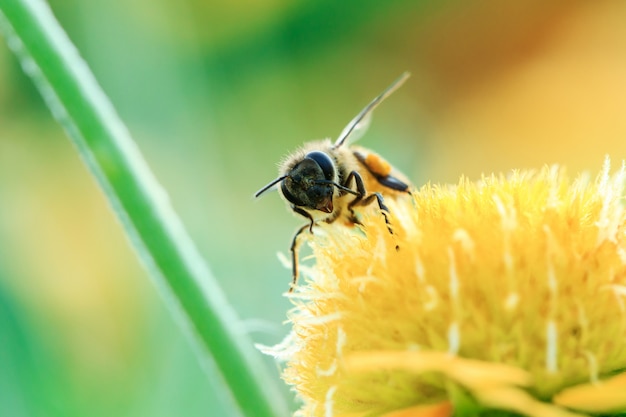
x=360, y=190
x=362, y=199
x=383, y=209
x=295, y=246
x=381, y=204
x=305, y=214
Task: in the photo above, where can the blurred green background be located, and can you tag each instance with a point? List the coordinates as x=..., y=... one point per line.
x=215, y=92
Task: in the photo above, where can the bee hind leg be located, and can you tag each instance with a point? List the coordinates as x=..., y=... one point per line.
x=362, y=199
x=381, y=205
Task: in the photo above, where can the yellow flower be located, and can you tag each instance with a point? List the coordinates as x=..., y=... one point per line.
x=505, y=294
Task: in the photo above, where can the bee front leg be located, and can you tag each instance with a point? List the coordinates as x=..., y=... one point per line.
x=295, y=246
x=362, y=199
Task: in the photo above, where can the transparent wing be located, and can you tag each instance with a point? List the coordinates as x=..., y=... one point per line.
x=358, y=126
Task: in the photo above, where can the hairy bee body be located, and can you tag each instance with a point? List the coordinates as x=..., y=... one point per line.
x=377, y=174
x=325, y=181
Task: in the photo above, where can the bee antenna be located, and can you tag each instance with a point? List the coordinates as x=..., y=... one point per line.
x=339, y=186
x=270, y=185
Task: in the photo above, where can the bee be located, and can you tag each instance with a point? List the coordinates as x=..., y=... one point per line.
x=326, y=182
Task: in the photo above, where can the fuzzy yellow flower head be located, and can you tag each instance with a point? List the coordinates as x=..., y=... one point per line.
x=505, y=294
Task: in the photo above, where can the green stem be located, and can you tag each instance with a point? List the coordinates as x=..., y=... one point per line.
x=80, y=106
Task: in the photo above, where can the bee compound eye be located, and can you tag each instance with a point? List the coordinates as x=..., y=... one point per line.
x=285, y=189
x=325, y=163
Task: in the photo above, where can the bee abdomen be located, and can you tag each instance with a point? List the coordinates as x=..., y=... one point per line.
x=381, y=170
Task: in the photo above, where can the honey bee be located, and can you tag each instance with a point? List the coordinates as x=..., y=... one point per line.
x=325, y=182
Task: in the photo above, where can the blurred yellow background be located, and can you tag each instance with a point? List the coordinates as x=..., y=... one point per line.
x=215, y=93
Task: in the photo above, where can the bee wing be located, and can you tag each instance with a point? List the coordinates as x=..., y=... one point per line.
x=358, y=126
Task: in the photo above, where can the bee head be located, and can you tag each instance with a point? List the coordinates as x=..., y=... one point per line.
x=310, y=183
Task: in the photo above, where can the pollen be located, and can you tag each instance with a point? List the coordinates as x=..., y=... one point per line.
x=508, y=294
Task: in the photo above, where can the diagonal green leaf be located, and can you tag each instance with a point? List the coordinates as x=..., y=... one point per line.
x=80, y=106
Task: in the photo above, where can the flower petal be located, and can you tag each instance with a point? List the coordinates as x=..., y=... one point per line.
x=469, y=372
x=602, y=397
x=443, y=409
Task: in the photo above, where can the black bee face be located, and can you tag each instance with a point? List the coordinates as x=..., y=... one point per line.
x=309, y=184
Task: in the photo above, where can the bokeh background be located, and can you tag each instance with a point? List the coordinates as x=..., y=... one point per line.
x=215, y=92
